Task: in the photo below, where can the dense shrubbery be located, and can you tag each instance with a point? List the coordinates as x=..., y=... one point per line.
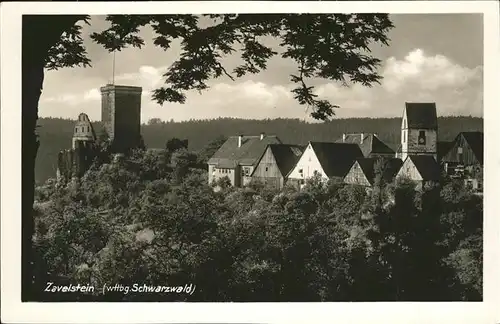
x=152, y=218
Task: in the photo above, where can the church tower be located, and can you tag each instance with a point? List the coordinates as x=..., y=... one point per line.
x=419, y=130
x=121, y=115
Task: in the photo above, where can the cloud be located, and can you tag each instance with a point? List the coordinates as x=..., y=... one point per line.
x=417, y=76
x=92, y=94
x=147, y=77
x=456, y=89
x=259, y=92
x=427, y=72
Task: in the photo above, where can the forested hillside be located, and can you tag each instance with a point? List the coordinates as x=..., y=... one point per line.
x=55, y=134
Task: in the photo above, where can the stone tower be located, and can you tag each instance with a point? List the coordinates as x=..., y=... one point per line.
x=419, y=130
x=83, y=134
x=73, y=163
x=121, y=115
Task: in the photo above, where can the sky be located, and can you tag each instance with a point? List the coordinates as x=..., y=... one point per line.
x=430, y=58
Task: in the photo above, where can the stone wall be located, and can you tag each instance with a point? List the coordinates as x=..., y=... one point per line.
x=73, y=163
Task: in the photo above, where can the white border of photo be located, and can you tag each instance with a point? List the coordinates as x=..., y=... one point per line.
x=13, y=310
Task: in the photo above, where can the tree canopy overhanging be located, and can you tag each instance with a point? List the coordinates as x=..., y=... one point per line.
x=335, y=47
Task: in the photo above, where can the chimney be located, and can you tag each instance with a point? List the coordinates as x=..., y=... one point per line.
x=362, y=137
x=343, y=137
x=262, y=136
x=239, y=140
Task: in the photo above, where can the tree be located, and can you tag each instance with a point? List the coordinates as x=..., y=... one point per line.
x=176, y=144
x=141, y=218
x=333, y=47
x=154, y=121
x=209, y=150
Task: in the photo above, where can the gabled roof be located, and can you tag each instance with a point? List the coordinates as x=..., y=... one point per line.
x=370, y=143
x=427, y=166
x=230, y=155
x=336, y=158
x=391, y=168
x=421, y=115
x=476, y=143
x=367, y=165
x=286, y=156
x=443, y=148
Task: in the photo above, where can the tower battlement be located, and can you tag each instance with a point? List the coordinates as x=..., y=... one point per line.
x=121, y=115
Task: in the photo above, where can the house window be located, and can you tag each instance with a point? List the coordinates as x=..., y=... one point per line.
x=460, y=152
x=246, y=171
x=421, y=137
x=267, y=169
x=404, y=123
x=76, y=129
x=404, y=137
x=301, y=171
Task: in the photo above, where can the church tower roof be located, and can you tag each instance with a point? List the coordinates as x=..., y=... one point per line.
x=421, y=115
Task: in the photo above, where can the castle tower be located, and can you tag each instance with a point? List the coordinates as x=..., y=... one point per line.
x=121, y=115
x=83, y=134
x=419, y=130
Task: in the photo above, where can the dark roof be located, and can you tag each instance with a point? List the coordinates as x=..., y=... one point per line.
x=370, y=144
x=476, y=143
x=367, y=165
x=421, y=115
x=336, y=158
x=427, y=166
x=391, y=167
x=286, y=156
x=229, y=154
x=443, y=148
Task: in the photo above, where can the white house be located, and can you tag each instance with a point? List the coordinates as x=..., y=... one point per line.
x=237, y=157
x=420, y=168
x=328, y=160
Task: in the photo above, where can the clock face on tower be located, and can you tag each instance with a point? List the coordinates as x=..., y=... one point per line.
x=421, y=137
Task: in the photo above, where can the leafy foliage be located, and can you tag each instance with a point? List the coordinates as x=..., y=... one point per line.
x=69, y=51
x=145, y=218
x=152, y=217
x=333, y=47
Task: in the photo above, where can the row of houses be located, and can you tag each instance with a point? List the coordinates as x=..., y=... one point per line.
x=351, y=158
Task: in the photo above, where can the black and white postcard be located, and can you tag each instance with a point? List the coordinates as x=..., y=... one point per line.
x=250, y=162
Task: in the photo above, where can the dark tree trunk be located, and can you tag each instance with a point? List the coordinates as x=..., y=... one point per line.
x=32, y=79
x=39, y=34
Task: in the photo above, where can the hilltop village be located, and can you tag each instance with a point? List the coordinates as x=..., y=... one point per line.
x=244, y=159
x=353, y=158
